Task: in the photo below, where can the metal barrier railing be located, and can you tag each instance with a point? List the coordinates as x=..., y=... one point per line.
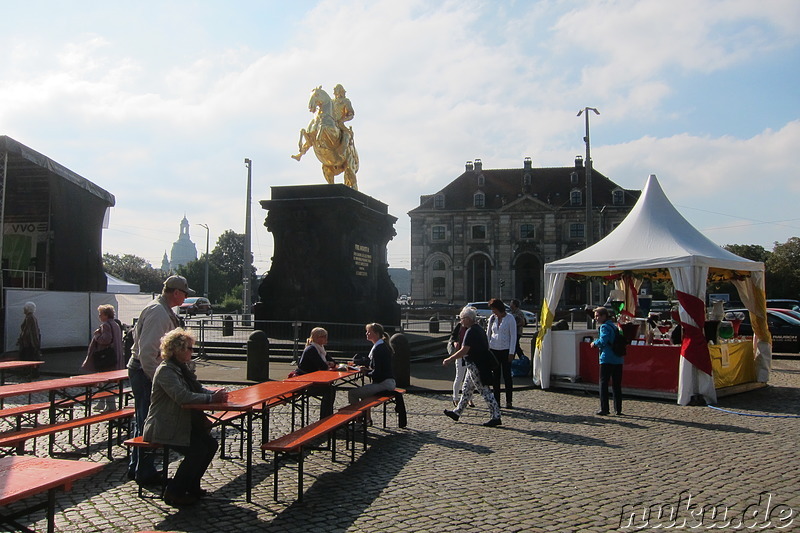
x=228, y=334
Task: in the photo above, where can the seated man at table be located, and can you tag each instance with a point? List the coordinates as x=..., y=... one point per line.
x=315, y=358
x=185, y=431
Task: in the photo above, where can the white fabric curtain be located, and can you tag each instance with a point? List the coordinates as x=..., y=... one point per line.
x=542, y=357
x=751, y=291
x=691, y=381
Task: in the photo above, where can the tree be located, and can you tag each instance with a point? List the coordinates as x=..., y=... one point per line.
x=228, y=257
x=195, y=274
x=754, y=252
x=783, y=270
x=134, y=269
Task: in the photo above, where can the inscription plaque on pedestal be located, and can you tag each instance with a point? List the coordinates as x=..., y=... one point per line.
x=329, y=262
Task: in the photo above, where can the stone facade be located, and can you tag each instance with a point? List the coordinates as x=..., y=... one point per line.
x=488, y=233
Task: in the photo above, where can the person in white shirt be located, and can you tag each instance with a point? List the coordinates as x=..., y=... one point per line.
x=502, y=334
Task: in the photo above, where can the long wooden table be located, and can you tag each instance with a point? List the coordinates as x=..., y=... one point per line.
x=23, y=477
x=328, y=377
x=325, y=377
x=14, y=365
x=248, y=400
x=73, y=390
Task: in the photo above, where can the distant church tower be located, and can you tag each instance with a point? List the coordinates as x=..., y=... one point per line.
x=183, y=250
x=165, y=264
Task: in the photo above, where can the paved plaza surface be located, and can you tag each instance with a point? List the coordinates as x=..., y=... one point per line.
x=552, y=466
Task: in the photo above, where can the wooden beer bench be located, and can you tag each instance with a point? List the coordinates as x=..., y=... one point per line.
x=295, y=443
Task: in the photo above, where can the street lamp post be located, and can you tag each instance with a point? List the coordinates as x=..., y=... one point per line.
x=205, y=285
x=588, y=165
x=246, y=272
x=588, y=230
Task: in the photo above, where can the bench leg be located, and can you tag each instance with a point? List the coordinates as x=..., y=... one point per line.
x=275, y=466
x=165, y=467
x=300, y=477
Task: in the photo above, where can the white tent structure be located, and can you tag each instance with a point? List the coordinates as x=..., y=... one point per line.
x=120, y=286
x=656, y=242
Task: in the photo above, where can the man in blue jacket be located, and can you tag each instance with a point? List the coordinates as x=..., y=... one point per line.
x=610, y=362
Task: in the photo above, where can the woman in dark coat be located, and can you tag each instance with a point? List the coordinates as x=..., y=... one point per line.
x=30, y=338
x=379, y=370
x=315, y=358
x=108, y=335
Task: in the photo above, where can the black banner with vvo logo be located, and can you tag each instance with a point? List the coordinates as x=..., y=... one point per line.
x=21, y=241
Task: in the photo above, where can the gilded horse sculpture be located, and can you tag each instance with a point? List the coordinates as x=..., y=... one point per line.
x=331, y=139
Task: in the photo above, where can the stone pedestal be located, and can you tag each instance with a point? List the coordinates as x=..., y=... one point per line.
x=329, y=262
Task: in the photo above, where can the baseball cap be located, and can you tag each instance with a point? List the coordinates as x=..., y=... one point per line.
x=180, y=283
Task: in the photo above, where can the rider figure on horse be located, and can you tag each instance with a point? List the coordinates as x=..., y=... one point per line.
x=342, y=112
x=331, y=139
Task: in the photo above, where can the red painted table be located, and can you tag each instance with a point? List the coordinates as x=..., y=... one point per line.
x=22, y=477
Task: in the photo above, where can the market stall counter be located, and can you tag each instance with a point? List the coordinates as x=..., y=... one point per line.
x=655, y=367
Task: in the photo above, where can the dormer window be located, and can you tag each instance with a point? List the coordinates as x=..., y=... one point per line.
x=575, y=197
x=479, y=200
x=618, y=197
x=481, y=180
x=573, y=178
x=438, y=201
x=526, y=180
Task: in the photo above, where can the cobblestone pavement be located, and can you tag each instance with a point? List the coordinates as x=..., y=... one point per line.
x=552, y=466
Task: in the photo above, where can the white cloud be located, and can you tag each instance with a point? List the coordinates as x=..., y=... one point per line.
x=433, y=85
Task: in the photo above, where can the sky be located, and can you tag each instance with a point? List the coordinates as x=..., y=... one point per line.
x=160, y=102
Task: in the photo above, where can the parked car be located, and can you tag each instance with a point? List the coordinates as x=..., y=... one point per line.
x=783, y=303
x=785, y=330
x=196, y=306
x=788, y=312
x=484, y=311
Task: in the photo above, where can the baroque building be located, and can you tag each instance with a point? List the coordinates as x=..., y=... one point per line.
x=489, y=232
x=183, y=250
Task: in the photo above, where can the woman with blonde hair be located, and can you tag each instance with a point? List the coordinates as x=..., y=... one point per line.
x=315, y=358
x=185, y=431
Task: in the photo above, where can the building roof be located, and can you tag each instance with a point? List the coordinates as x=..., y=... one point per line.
x=28, y=164
x=503, y=186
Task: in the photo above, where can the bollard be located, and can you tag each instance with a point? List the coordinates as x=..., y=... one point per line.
x=401, y=362
x=258, y=356
x=227, y=326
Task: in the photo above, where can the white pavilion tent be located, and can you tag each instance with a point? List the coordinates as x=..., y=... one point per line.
x=120, y=286
x=656, y=242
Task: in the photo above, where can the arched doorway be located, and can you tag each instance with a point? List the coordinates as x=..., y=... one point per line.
x=479, y=278
x=528, y=278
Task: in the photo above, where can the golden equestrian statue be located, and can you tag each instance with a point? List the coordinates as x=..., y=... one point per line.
x=332, y=141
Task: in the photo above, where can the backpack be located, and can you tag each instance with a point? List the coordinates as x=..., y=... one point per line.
x=619, y=344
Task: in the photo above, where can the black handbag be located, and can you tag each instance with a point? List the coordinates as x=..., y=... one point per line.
x=105, y=359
